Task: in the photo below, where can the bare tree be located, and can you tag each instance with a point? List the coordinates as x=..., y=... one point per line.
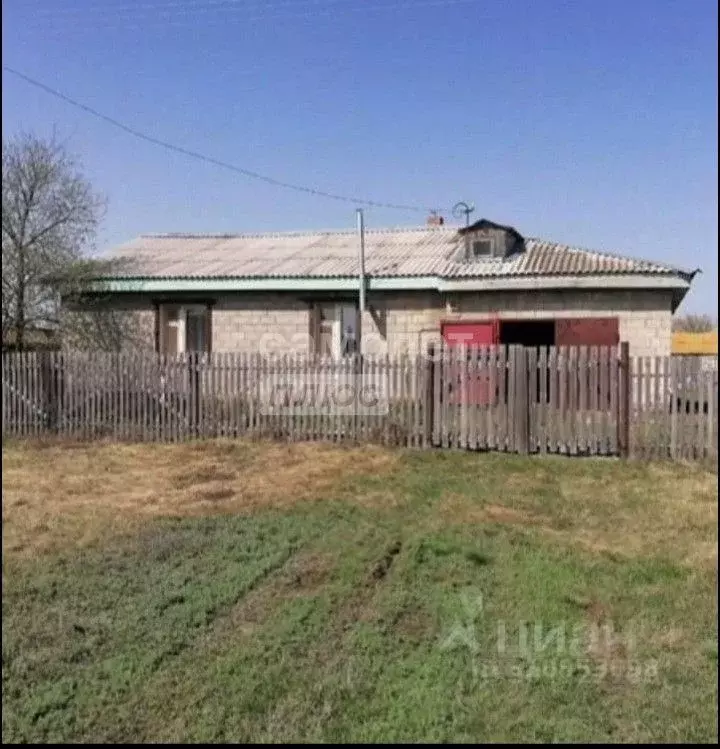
x=89, y=319
x=50, y=215
x=693, y=324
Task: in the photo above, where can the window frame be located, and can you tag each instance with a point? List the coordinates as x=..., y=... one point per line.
x=174, y=316
x=489, y=241
x=335, y=321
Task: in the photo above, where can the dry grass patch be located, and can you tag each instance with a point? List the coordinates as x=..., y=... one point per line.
x=666, y=508
x=459, y=508
x=54, y=495
x=616, y=508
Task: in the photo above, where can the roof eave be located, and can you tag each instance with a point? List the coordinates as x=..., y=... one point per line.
x=681, y=292
x=398, y=283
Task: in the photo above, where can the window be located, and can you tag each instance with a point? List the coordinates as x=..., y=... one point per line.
x=184, y=328
x=336, y=333
x=195, y=330
x=482, y=248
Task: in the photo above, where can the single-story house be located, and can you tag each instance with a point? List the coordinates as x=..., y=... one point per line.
x=298, y=292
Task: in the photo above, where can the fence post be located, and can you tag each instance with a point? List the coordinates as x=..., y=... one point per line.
x=429, y=394
x=624, y=401
x=194, y=393
x=522, y=402
x=673, y=390
x=50, y=391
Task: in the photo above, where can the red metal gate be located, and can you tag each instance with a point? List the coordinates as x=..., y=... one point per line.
x=462, y=339
x=587, y=331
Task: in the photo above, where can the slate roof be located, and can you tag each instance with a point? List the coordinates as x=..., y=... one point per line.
x=389, y=253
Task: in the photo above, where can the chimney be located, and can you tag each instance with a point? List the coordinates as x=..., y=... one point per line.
x=435, y=219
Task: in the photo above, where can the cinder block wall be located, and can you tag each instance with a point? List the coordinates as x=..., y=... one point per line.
x=407, y=322
x=261, y=323
x=644, y=315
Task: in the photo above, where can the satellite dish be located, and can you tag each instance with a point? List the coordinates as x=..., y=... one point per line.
x=463, y=209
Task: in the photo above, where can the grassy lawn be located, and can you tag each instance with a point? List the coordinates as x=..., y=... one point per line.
x=266, y=592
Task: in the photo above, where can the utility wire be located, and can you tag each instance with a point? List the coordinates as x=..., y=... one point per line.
x=187, y=5
x=187, y=15
x=209, y=159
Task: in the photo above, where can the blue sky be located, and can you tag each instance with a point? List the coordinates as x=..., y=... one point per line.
x=583, y=122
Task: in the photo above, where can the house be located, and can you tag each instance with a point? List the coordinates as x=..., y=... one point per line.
x=298, y=292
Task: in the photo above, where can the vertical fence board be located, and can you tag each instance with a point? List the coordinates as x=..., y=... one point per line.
x=491, y=379
x=532, y=398
x=618, y=399
x=553, y=400
x=6, y=415
x=580, y=388
x=563, y=399
x=542, y=408
x=240, y=403
x=5, y=406
x=301, y=401
x=658, y=420
x=501, y=411
x=27, y=393
x=23, y=389
x=520, y=425
x=678, y=408
x=315, y=404
x=688, y=410
x=364, y=423
x=173, y=398
x=672, y=387
x=476, y=397
x=511, y=399
x=708, y=452
x=405, y=395
x=702, y=417
x=448, y=397
x=439, y=395
x=293, y=385
x=444, y=385
x=593, y=400
x=648, y=407
x=137, y=393
x=142, y=394
x=606, y=396
x=698, y=408
x=602, y=387
x=36, y=400
x=638, y=413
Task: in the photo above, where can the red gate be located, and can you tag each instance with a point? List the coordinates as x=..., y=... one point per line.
x=468, y=384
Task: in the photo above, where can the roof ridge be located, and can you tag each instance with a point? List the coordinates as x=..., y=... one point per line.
x=295, y=233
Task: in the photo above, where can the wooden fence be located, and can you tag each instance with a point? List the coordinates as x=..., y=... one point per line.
x=570, y=400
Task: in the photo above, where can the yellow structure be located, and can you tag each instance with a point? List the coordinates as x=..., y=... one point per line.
x=700, y=344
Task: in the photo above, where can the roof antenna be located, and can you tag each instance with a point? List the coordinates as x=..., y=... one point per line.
x=465, y=209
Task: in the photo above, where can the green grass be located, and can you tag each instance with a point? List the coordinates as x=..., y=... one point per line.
x=366, y=608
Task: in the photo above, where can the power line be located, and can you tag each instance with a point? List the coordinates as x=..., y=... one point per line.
x=209, y=159
x=183, y=7
x=187, y=5
x=142, y=19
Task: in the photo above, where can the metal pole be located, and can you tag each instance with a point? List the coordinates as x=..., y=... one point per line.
x=361, y=276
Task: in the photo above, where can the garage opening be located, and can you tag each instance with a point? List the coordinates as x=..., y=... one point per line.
x=527, y=332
